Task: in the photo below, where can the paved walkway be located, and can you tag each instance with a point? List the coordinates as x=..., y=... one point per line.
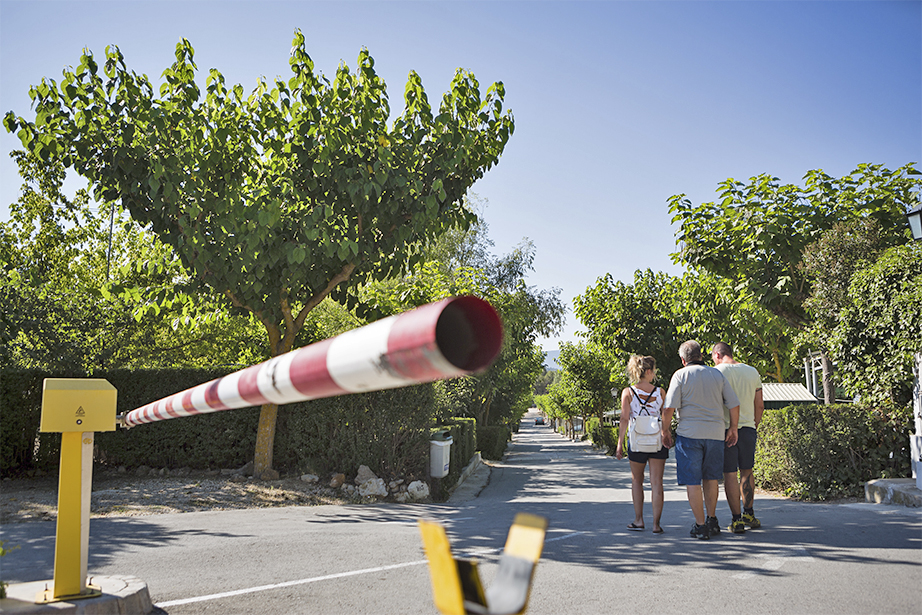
x=816, y=558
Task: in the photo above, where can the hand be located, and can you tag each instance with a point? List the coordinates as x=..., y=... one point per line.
x=731, y=437
x=619, y=453
x=667, y=438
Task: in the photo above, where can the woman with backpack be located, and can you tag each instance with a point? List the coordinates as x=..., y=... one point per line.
x=640, y=416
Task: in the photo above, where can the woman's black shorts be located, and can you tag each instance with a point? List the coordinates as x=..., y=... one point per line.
x=663, y=453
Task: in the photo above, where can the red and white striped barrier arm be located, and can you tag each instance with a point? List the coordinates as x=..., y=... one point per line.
x=449, y=338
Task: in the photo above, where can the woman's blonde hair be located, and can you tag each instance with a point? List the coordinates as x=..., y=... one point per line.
x=637, y=365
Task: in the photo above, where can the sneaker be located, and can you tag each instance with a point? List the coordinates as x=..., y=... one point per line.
x=700, y=532
x=713, y=526
x=737, y=526
x=751, y=521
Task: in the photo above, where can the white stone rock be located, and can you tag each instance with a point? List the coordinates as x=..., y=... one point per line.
x=374, y=487
x=364, y=475
x=418, y=490
x=402, y=497
x=310, y=478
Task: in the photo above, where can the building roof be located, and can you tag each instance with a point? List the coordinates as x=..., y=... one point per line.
x=786, y=391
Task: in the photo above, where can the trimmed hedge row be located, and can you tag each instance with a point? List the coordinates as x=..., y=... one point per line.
x=492, y=440
x=817, y=452
x=602, y=435
x=463, y=446
x=190, y=442
x=335, y=434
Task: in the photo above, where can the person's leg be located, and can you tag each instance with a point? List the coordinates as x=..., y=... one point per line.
x=731, y=480
x=657, y=469
x=696, y=501
x=747, y=487
x=732, y=491
x=747, y=457
x=711, y=490
x=637, y=470
x=711, y=472
x=689, y=454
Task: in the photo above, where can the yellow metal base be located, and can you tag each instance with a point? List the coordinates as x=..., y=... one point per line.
x=47, y=596
x=456, y=586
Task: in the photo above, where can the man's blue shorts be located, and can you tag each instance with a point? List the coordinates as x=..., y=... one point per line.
x=742, y=455
x=696, y=459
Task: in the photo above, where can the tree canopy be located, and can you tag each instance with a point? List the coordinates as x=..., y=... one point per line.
x=275, y=200
x=461, y=262
x=61, y=256
x=657, y=312
x=757, y=233
x=880, y=329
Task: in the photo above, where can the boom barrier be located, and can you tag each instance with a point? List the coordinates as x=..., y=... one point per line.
x=449, y=338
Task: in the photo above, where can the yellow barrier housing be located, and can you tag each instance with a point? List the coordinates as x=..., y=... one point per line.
x=76, y=408
x=78, y=404
x=456, y=586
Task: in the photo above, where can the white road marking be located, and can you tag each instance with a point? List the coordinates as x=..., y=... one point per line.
x=774, y=561
x=262, y=588
x=328, y=577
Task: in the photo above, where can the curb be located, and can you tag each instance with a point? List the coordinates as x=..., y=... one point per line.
x=475, y=462
x=893, y=491
x=120, y=595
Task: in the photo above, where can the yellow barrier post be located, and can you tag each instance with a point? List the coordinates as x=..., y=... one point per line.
x=456, y=586
x=76, y=408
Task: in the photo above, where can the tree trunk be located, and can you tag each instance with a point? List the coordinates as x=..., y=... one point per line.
x=829, y=387
x=268, y=413
x=265, y=443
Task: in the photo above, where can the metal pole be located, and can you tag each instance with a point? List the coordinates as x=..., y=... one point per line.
x=450, y=338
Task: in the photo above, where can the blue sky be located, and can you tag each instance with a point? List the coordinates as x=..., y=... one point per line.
x=618, y=105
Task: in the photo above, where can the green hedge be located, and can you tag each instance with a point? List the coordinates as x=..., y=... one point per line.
x=602, y=435
x=386, y=430
x=817, y=452
x=463, y=446
x=192, y=442
x=492, y=440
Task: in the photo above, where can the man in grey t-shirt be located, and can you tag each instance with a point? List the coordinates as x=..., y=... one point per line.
x=700, y=393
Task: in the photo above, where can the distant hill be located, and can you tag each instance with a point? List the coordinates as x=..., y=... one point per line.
x=550, y=359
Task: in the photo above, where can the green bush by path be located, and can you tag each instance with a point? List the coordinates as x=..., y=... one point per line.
x=818, y=452
x=386, y=430
x=492, y=440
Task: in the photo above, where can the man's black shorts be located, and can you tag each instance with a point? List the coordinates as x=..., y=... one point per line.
x=742, y=455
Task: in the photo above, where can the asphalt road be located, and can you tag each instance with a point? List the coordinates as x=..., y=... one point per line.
x=807, y=558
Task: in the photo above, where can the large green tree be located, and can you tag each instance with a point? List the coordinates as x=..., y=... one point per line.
x=61, y=259
x=585, y=374
x=756, y=234
x=880, y=329
x=625, y=319
x=709, y=309
x=278, y=199
x=655, y=313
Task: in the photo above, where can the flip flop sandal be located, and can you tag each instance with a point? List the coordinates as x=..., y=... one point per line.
x=636, y=528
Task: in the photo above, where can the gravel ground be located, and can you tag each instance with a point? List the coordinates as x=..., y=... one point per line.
x=125, y=495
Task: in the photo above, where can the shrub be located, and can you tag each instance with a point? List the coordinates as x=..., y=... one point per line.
x=491, y=440
x=463, y=446
x=385, y=430
x=602, y=435
x=463, y=431
x=593, y=430
x=817, y=452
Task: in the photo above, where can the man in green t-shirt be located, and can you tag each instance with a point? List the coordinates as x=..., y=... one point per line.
x=747, y=384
